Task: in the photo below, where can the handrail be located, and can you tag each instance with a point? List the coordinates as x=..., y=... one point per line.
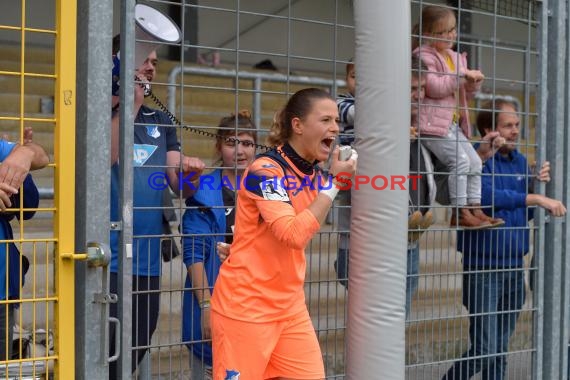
x=484, y=96
x=257, y=79
x=45, y=192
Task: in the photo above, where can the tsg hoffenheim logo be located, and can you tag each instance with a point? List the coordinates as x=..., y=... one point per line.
x=142, y=153
x=152, y=131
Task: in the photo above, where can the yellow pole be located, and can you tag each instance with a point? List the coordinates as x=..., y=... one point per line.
x=64, y=150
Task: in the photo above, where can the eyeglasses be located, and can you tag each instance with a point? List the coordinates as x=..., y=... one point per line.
x=231, y=142
x=446, y=32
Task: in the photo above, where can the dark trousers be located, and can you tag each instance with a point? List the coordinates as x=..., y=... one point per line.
x=494, y=301
x=6, y=331
x=145, y=307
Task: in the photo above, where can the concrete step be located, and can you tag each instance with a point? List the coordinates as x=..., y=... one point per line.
x=40, y=123
x=43, y=134
x=429, y=344
x=10, y=103
x=32, y=85
x=30, y=67
x=33, y=54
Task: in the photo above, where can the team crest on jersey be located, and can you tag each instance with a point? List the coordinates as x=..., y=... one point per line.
x=272, y=191
x=232, y=374
x=152, y=131
x=142, y=153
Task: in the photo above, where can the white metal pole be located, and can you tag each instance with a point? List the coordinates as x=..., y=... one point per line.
x=377, y=277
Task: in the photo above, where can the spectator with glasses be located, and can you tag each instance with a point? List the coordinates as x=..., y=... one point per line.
x=210, y=219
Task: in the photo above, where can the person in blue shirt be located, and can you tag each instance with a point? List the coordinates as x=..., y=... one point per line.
x=156, y=152
x=16, y=161
x=493, y=279
x=209, y=219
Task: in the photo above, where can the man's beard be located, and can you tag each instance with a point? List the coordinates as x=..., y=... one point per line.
x=507, y=148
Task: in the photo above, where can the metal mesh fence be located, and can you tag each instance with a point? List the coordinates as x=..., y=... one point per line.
x=475, y=314
x=473, y=302
x=438, y=325
x=237, y=71
x=471, y=314
x=522, y=9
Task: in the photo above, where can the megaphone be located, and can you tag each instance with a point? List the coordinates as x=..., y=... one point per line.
x=155, y=27
x=152, y=29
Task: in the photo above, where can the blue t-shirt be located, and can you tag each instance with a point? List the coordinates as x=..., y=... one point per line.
x=10, y=262
x=152, y=140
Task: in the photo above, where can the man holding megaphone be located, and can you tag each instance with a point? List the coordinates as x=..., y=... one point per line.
x=156, y=150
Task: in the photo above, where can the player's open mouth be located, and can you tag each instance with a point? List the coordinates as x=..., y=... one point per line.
x=327, y=143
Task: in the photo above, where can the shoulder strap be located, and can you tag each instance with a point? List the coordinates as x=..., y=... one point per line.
x=274, y=155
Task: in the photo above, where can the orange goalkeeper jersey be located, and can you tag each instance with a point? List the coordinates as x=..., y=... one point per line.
x=262, y=279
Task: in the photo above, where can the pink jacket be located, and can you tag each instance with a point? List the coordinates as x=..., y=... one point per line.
x=439, y=104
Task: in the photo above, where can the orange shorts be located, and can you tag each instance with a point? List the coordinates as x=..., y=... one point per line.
x=252, y=351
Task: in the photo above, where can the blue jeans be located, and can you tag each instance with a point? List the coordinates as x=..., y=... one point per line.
x=494, y=301
x=412, y=279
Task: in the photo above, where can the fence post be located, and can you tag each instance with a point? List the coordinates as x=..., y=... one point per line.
x=93, y=139
x=126, y=138
x=555, y=296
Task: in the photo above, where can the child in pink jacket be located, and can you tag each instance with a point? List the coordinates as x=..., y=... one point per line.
x=444, y=119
